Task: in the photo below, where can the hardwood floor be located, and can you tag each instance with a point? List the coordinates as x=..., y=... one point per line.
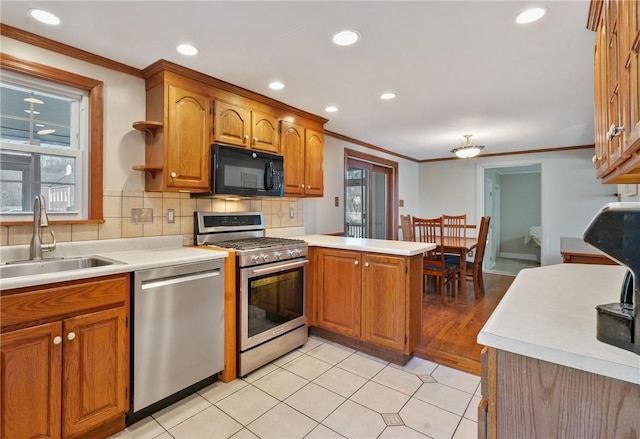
x=449, y=331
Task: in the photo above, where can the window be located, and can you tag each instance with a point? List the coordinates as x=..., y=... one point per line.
x=50, y=143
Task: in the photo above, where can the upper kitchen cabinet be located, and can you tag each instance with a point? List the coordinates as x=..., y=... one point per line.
x=303, y=151
x=187, y=111
x=178, y=143
x=617, y=89
x=250, y=128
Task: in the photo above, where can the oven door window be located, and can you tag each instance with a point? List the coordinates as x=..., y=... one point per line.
x=275, y=300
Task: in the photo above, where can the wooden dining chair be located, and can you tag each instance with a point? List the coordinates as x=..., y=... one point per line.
x=474, y=269
x=406, y=227
x=434, y=264
x=455, y=225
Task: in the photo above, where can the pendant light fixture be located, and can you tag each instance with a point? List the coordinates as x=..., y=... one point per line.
x=467, y=150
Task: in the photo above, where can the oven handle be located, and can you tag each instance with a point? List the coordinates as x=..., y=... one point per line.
x=278, y=267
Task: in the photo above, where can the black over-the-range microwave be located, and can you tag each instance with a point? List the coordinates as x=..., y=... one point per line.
x=245, y=172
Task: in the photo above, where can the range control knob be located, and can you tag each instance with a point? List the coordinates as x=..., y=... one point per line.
x=265, y=258
x=277, y=255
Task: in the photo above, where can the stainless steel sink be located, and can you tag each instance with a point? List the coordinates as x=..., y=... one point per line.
x=30, y=268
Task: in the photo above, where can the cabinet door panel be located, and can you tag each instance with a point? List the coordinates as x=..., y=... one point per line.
x=292, y=148
x=232, y=124
x=264, y=132
x=314, y=173
x=384, y=301
x=189, y=141
x=339, y=286
x=30, y=377
x=95, y=373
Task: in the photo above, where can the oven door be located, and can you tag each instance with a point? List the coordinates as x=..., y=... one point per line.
x=272, y=301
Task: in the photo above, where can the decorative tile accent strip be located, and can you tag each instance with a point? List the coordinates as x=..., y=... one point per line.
x=427, y=379
x=392, y=419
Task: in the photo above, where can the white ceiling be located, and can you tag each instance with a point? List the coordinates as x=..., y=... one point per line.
x=458, y=67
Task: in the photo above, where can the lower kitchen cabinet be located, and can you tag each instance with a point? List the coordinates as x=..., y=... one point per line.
x=65, y=359
x=527, y=397
x=370, y=301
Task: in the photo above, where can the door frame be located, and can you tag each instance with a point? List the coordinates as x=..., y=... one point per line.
x=392, y=203
x=544, y=190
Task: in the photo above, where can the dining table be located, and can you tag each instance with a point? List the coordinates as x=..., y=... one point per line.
x=460, y=246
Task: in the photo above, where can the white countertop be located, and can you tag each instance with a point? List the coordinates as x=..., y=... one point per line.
x=401, y=248
x=549, y=313
x=135, y=254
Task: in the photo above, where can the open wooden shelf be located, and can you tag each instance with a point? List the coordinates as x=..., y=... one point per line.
x=148, y=126
x=150, y=169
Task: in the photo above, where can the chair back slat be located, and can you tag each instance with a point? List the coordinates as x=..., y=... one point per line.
x=455, y=226
x=406, y=227
x=483, y=235
x=430, y=230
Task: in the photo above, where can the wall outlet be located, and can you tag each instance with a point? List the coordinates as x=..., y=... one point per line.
x=401, y=203
x=292, y=212
x=141, y=215
x=171, y=216
x=336, y=201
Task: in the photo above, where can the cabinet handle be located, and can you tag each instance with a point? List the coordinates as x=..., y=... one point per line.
x=302, y=186
x=614, y=131
x=595, y=159
x=246, y=137
x=173, y=175
x=356, y=262
x=366, y=264
x=57, y=339
x=71, y=336
x=255, y=140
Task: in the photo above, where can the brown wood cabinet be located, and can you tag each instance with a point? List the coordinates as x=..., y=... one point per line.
x=237, y=125
x=187, y=111
x=617, y=89
x=372, y=299
x=303, y=151
x=527, y=397
x=177, y=150
x=65, y=359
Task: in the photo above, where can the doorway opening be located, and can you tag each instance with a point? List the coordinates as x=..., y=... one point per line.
x=371, y=193
x=513, y=198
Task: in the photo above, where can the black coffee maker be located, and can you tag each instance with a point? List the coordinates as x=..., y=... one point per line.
x=615, y=230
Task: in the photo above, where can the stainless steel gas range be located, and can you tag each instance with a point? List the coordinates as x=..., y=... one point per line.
x=271, y=284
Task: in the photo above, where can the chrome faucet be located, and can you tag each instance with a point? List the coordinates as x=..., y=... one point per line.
x=40, y=220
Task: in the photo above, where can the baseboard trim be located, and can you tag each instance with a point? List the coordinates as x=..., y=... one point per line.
x=522, y=256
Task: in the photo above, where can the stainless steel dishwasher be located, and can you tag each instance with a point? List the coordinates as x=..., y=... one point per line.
x=177, y=333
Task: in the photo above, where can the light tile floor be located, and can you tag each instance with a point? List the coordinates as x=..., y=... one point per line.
x=325, y=390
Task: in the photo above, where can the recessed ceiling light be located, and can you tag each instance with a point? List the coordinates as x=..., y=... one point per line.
x=387, y=96
x=530, y=15
x=346, y=37
x=45, y=132
x=276, y=85
x=32, y=112
x=33, y=100
x=331, y=109
x=44, y=16
x=187, y=49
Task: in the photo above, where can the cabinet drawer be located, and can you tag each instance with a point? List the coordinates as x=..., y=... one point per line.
x=46, y=303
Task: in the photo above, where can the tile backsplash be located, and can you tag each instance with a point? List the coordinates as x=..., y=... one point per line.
x=117, y=207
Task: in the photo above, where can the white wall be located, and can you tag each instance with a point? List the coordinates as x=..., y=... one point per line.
x=321, y=215
x=571, y=194
x=124, y=103
x=520, y=209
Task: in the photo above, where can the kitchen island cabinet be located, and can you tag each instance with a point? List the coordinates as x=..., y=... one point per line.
x=65, y=358
x=367, y=294
x=544, y=373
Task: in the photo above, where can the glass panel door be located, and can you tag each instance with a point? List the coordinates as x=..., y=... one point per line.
x=367, y=200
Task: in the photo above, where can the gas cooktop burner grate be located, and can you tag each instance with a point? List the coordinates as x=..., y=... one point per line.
x=257, y=243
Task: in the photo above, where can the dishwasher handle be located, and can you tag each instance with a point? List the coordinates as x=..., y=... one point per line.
x=156, y=283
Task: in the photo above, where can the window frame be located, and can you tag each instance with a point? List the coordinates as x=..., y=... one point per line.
x=95, y=88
